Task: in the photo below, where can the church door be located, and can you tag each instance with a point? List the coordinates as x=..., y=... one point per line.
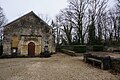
x=31, y=49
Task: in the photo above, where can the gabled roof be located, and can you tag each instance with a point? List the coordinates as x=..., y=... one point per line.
x=30, y=13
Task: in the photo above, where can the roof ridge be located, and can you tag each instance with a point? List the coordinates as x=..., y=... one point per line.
x=31, y=12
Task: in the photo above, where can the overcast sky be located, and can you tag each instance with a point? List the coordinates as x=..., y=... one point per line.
x=16, y=8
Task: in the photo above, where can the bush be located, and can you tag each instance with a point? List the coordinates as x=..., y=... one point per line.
x=97, y=48
x=45, y=54
x=67, y=47
x=79, y=48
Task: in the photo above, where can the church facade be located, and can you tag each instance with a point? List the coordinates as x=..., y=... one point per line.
x=28, y=35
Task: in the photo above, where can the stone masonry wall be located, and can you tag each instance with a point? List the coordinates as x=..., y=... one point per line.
x=27, y=25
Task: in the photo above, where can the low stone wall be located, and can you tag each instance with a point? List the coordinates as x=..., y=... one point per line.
x=104, y=61
x=68, y=52
x=75, y=48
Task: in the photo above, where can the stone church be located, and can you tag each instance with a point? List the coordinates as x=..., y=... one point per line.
x=28, y=35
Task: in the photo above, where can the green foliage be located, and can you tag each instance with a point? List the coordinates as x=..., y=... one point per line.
x=67, y=47
x=79, y=48
x=98, y=48
x=76, y=48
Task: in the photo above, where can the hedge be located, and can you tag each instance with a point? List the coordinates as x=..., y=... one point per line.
x=79, y=48
x=67, y=47
x=75, y=48
x=98, y=48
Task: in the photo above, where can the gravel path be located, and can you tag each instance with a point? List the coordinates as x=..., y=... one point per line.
x=57, y=67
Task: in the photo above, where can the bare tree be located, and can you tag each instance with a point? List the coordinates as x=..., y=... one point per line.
x=118, y=19
x=96, y=10
x=88, y=20
x=111, y=27
x=113, y=23
x=118, y=4
x=57, y=31
x=78, y=9
x=45, y=18
x=66, y=25
x=105, y=28
x=3, y=21
x=2, y=18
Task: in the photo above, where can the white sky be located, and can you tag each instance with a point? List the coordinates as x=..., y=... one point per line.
x=16, y=8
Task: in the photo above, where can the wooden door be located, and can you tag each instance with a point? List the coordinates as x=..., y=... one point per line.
x=31, y=49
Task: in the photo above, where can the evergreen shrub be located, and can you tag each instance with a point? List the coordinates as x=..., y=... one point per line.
x=98, y=48
x=79, y=48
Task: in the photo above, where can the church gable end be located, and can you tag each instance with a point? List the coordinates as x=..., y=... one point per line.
x=26, y=31
x=30, y=20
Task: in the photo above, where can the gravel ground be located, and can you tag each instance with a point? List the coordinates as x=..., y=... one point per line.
x=57, y=67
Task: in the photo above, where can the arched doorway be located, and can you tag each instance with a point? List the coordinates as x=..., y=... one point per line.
x=31, y=49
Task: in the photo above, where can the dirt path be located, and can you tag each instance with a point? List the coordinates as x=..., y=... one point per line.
x=57, y=67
